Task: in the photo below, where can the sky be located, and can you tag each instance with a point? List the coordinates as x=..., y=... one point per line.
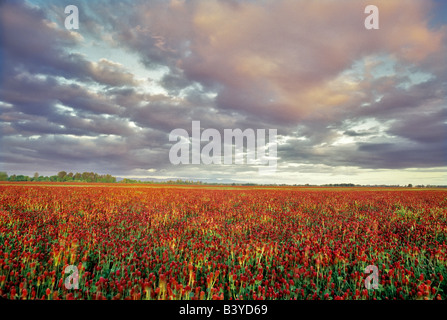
x=350, y=105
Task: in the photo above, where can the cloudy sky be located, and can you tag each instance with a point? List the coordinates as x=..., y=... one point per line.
x=350, y=104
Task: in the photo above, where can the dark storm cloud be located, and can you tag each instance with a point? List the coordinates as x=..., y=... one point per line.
x=368, y=155
x=362, y=133
x=398, y=156
x=422, y=128
x=174, y=83
x=37, y=96
x=102, y=153
x=32, y=43
x=399, y=101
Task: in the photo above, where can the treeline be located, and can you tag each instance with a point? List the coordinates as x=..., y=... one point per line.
x=62, y=176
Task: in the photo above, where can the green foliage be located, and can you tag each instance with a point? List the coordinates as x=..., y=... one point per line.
x=62, y=176
x=3, y=176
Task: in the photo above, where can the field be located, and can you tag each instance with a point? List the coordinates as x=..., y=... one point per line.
x=168, y=242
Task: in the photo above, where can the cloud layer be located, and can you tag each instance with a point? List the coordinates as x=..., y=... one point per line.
x=106, y=96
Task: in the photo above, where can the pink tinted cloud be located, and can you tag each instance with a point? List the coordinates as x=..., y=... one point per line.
x=284, y=58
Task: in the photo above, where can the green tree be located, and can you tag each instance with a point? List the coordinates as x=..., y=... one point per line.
x=61, y=175
x=21, y=177
x=3, y=176
x=85, y=176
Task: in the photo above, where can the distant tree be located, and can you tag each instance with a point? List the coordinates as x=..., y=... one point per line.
x=21, y=177
x=3, y=176
x=125, y=180
x=61, y=175
x=85, y=176
x=107, y=178
x=410, y=186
